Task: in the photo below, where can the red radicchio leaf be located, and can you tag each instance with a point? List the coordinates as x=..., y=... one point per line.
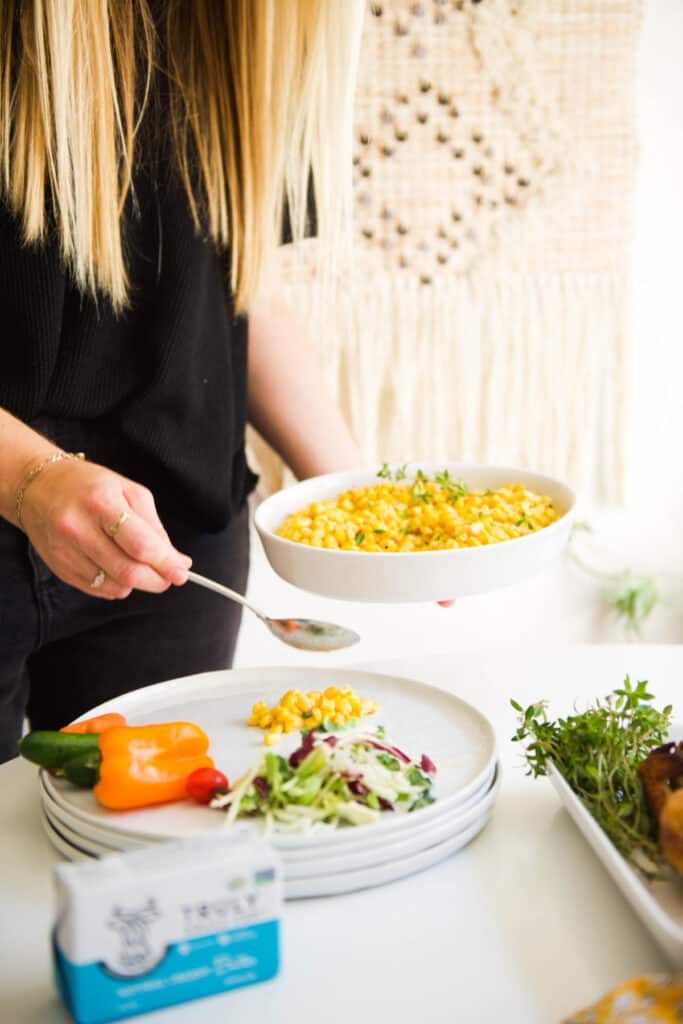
x=303, y=751
x=261, y=786
x=427, y=765
x=385, y=805
x=394, y=751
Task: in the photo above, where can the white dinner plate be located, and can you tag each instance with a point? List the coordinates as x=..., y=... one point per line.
x=393, y=577
x=367, y=878
x=419, y=718
x=70, y=835
x=352, y=856
x=659, y=905
x=67, y=850
x=354, y=839
x=334, y=884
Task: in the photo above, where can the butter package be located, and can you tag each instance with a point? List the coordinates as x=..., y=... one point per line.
x=165, y=924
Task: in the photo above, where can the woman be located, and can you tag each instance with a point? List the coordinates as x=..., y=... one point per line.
x=146, y=150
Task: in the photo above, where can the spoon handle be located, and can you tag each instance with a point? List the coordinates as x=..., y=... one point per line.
x=232, y=595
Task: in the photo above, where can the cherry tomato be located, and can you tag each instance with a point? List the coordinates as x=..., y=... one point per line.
x=202, y=784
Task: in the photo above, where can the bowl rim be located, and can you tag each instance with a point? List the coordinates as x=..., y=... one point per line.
x=546, y=531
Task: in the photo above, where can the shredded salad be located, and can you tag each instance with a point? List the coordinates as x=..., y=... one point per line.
x=338, y=776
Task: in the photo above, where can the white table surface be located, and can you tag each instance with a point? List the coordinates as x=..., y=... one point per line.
x=523, y=926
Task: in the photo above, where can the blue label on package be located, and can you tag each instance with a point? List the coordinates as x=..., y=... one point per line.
x=189, y=969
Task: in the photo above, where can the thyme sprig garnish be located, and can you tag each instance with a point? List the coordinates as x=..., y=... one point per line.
x=598, y=751
x=386, y=472
x=456, y=488
x=419, y=491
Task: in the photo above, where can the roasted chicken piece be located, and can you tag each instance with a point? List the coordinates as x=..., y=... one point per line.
x=662, y=776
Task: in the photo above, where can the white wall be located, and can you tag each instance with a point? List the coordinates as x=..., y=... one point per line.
x=561, y=606
x=655, y=465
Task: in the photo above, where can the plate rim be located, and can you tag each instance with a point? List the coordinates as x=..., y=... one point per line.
x=296, y=888
x=484, y=804
x=336, y=863
x=418, y=862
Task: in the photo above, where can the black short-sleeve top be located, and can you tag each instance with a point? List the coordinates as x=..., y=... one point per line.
x=164, y=382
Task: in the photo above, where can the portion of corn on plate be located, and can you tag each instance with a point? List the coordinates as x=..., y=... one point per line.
x=421, y=514
x=296, y=710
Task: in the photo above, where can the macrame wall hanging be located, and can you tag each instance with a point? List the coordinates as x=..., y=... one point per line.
x=484, y=316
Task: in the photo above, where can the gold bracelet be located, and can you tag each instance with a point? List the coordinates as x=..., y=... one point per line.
x=57, y=457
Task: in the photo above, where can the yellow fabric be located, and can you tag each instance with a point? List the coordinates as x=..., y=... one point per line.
x=651, y=999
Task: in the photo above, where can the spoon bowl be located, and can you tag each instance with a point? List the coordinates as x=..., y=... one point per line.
x=304, y=634
x=312, y=635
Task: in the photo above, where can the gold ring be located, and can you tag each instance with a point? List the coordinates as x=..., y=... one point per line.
x=115, y=526
x=100, y=577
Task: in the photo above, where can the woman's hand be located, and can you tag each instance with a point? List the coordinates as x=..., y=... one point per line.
x=70, y=514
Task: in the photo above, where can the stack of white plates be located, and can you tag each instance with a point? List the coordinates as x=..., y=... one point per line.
x=418, y=718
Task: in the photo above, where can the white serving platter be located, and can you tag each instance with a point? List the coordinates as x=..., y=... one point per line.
x=659, y=905
x=401, y=577
x=418, y=717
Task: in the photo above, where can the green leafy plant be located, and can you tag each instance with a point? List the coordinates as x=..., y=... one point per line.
x=598, y=751
x=631, y=597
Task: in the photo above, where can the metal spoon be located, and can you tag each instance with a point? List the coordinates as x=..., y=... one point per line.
x=306, y=634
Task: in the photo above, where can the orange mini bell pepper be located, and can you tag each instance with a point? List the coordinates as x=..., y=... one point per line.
x=143, y=765
x=97, y=724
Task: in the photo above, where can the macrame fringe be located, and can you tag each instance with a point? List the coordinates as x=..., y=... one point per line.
x=525, y=370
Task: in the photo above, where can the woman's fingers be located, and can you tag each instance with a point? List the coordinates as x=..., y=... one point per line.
x=86, y=519
x=146, y=547
x=80, y=572
x=112, y=559
x=142, y=501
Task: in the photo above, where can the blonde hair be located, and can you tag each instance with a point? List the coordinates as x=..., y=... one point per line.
x=260, y=107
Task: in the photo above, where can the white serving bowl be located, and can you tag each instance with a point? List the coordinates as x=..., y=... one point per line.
x=399, y=577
